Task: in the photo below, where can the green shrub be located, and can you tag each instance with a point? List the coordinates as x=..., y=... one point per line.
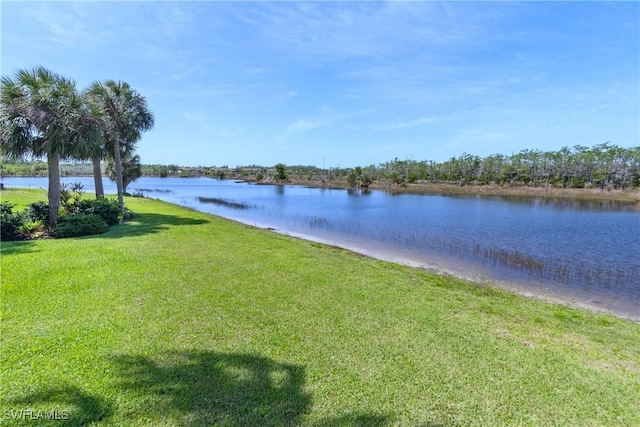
x=80, y=225
x=33, y=229
x=10, y=222
x=6, y=208
x=352, y=179
x=281, y=173
x=70, y=196
x=107, y=209
x=128, y=215
x=38, y=211
x=366, y=181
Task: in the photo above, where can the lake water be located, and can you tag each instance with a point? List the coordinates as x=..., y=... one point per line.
x=584, y=253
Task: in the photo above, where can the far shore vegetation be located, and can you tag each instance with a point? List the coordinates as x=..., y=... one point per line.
x=176, y=317
x=602, y=172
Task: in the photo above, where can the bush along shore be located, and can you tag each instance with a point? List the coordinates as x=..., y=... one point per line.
x=78, y=216
x=177, y=317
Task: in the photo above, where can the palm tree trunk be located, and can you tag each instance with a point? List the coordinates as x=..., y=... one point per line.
x=53, y=163
x=97, y=178
x=118, y=161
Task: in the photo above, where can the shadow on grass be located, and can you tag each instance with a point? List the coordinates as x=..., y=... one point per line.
x=68, y=406
x=355, y=420
x=16, y=247
x=366, y=420
x=197, y=388
x=149, y=223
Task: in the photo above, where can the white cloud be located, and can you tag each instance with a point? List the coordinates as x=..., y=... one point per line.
x=302, y=125
x=255, y=70
x=403, y=124
x=332, y=31
x=325, y=117
x=174, y=18
x=203, y=121
x=68, y=24
x=299, y=126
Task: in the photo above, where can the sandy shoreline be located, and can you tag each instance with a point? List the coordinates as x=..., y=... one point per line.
x=584, y=302
x=630, y=198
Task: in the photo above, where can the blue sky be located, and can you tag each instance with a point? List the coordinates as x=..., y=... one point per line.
x=348, y=83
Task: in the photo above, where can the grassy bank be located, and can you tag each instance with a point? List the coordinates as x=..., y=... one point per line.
x=22, y=197
x=181, y=318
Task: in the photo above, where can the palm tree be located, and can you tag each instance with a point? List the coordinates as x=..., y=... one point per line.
x=126, y=116
x=41, y=115
x=97, y=176
x=94, y=146
x=131, y=169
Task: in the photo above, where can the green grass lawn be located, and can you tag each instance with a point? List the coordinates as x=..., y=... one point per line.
x=22, y=197
x=179, y=318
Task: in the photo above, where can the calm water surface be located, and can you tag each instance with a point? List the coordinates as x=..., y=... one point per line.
x=587, y=253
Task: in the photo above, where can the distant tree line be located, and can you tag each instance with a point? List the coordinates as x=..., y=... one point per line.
x=578, y=167
x=604, y=165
